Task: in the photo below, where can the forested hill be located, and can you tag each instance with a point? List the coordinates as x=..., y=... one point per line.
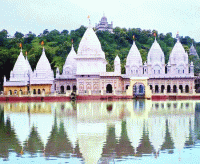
x=58, y=45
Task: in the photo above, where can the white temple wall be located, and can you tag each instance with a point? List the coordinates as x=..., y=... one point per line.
x=65, y=83
x=175, y=85
x=87, y=83
x=91, y=66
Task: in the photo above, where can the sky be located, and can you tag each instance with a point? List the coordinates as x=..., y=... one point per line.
x=164, y=16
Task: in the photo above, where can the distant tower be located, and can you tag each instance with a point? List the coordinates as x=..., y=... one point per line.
x=103, y=25
x=177, y=36
x=193, y=51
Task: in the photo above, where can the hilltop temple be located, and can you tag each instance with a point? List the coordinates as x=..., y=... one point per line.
x=103, y=25
x=84, y=71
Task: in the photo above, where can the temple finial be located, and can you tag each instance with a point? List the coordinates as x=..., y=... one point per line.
x=20, y=45
x=154, y=34
x=177, y=36
x=42, y=43
x=89, y=20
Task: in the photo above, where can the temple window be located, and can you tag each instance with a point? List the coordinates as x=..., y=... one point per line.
x=68, y=87
x=74, y=88
x=15, y=92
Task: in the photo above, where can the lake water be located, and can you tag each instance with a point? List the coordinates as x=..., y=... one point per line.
x=91, y=132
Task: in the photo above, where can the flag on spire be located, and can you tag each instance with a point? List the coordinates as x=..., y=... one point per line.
x=89, y=19
x=42, y=43
x=72, y=41
x=26, y=53
x=154, y=34
x=133, y=37
x=177, y=36
x=20, y=45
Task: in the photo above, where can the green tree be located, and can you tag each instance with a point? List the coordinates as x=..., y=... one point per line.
x=18, y=35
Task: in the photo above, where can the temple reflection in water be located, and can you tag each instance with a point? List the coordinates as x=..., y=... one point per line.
x=99, y=131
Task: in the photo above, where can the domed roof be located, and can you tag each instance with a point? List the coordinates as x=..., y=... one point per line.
x=117, y=59
x=134, y=56
x=155, y=54
x=70, y=58
x=21, y=65
x=178, y=54
x=90, y=45
x=193, y=51
x=43, y=63
x=103, y=19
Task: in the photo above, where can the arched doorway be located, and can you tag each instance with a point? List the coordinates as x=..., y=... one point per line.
x=151, y=87
x=15, y=92
x=62, y=89
x=141, y=89
x=34, y=91
x=168, y=89
x=21, y=92
x=181, y=88
x=10, y=92
x=162, y=88
x=127, y=86
x=138, y=90
x=186, y=89
x=109, y=88
x=39, y=92
x=156, y=89
x=74, y=88
x=174, y=89
x=68, y=87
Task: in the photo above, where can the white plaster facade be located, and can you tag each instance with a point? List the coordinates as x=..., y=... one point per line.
x=21, y=73
x=155, y=61
x=43, y=74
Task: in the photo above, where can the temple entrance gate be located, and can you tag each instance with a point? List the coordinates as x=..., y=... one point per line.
x=109, y=88
x=138, y=90
x=139, y=87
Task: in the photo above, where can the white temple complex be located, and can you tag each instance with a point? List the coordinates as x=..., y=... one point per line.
x=85, y=73
x=177, y=76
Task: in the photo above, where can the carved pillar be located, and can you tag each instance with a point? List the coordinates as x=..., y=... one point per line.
x=89, y=92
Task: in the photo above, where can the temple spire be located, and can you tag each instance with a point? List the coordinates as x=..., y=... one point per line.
x=177, y=36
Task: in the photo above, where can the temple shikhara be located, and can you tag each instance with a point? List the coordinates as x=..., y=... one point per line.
x=84, y=72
